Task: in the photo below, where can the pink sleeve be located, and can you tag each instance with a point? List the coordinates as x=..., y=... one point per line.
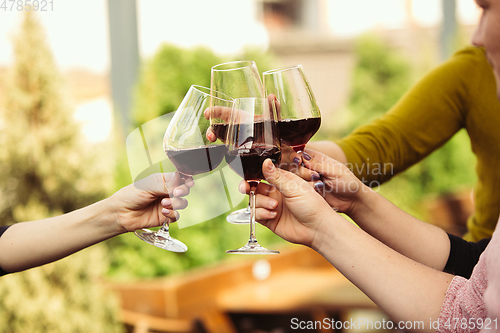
x=463, y=303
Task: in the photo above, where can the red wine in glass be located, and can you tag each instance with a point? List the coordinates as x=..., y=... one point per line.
x=297, y=132
x=220, y=131
x=194, y=161
x=248, y=162
x=299, y=116
x=252, y=137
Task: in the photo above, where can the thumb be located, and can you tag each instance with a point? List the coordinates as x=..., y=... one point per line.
x=163, y=184
x=286, y=182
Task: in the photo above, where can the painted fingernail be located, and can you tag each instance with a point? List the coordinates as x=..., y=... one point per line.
x=315, y=176
x=296, y=160
x=319, y=186
x=306, y=156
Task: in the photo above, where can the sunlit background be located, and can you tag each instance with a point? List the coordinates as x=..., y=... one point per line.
x=115, y=58
x=78, y=34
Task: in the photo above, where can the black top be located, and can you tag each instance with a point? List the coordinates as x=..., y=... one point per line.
x=464, y=255
x=2, y=230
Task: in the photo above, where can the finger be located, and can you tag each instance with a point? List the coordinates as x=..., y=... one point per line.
x=211, y=135
x=174, y=203
x=218, y=112
x=180, y=191
x=272, y=98
x=262, y=215
x=262, y=188
x=158, y=184
x=189, y=182
x=266, y=202
x=303, y=172
x=170, y=214
x=323, y=164
x=286, y=182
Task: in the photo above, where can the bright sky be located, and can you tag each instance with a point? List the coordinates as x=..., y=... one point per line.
x=77, y=31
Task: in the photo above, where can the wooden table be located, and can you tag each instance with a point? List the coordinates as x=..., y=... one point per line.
x=300, y=280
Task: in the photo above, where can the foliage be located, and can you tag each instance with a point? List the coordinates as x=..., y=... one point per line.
x=47, y=170
x=163, y=81
x=381, y=77
x=64, y=296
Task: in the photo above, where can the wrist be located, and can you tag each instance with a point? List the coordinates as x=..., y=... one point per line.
x=364, y=204
x=110, y=216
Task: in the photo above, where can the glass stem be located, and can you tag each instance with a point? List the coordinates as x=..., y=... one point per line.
x=253, y=188
x=164, y=230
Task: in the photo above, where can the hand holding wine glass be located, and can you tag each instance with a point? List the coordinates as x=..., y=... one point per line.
x=250, y=141
x=298, y=114
x=237, y=79
x=187, y=147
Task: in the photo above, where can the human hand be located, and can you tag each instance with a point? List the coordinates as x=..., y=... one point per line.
x=217, y=114
x=290, y=207
x=222, y=114
x=334, y=181
x=148, y=202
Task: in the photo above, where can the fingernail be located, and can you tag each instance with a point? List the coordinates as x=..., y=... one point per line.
x=273, y=213
x=270, y=166
x=177, y=192
x=315, y=176
x=319, y=186
x=296, y=160
x=165, y=211
x=166, y=202
x=273, y=204
x=306, y=156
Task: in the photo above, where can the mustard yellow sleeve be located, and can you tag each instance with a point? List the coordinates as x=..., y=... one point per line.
x=427, y=116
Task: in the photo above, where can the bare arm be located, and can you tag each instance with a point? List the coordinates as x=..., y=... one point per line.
x=404, y=288
x=404, y=233
x=330, y=149
x=28, y=244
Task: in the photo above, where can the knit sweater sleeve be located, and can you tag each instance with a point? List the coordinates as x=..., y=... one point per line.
x=463, y=306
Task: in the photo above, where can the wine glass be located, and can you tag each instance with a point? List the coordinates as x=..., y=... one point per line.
x=252, y=137
x=237, y=79
x=298, y=114
x=186, y=146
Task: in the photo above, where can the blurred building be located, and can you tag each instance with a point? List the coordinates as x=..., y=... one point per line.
x=308, y=32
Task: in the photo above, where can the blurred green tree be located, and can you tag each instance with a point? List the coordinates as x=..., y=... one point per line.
x=381, y=77
x=46, y=169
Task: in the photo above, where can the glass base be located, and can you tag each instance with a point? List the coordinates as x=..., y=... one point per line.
x=240, y=216
x=166, y=243
x=252, y=248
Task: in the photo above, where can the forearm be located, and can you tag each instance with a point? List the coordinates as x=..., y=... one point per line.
x=416, y=239
x=28, y=244
x=329, y=148
x=403, y=288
